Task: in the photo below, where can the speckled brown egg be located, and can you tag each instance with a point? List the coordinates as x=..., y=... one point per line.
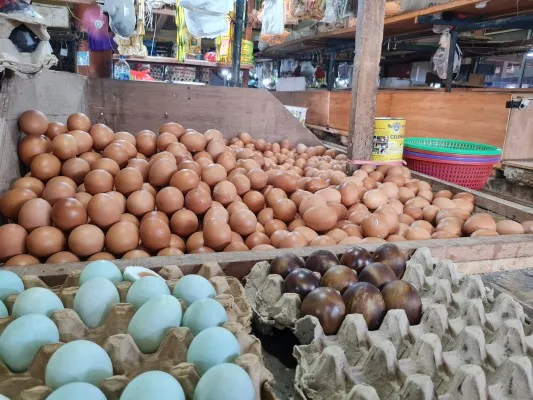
x=13, y=239
x=68, y=213
x=33, y=122
x=13, y=200
x=98, y=181
x=45, y=241
x=102, y=136
x=103, y=210
x=86, y=240
x=45, y=166
x=122, y=237
x=224, y=192
x=198, y=201
x=184, y=222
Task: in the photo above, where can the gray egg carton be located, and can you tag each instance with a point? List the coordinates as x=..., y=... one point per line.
x=128, y=361
x=469, y=345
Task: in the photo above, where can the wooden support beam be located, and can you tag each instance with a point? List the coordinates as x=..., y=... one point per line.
x=368, y=41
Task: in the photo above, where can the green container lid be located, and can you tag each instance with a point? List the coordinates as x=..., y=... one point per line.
x=452, y=146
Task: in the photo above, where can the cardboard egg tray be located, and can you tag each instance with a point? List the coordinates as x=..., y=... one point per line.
x=128, y=361
x=469, y=345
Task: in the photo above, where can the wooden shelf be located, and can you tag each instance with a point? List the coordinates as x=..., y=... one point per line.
x=405, y=23
x=173, y=61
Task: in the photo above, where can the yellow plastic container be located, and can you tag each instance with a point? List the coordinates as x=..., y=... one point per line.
x=388, y=139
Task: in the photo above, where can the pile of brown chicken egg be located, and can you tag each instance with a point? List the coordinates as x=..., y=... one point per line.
x=92, y=193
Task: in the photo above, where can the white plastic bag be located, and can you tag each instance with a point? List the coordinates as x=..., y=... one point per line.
x=211, y=7
x=205, y=25
x=441, y=56
x=273, y=18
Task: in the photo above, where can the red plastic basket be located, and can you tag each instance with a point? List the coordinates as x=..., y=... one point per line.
x=472, y=175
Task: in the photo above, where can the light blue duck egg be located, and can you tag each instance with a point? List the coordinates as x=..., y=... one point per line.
x=153, y=385
x=225, y=382
x=3, y=310
x=153, y=320
x=211, y=347
x=94, y=299
x=77, y=391
x=193, y=287
x=146, y=289
x=101, y=269
x=23, y=338
x=203, y=314
x=10, y=283
x=78, y=361
x=2, y=397
x=36, y=301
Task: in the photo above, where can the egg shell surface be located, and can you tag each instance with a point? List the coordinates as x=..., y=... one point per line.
x=102, y=269
x=225, y=382
x=153, y=384
x=78, y=391
x=10, y=283
x=94, y=299
x=145, y=289
x=193, y=287
x=153, y=320
x=211, y=347
x=203, y=314
x=78, y=361
x=23, y=338
x=36, y=301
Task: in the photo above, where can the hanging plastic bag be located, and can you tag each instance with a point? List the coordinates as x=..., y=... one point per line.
x=441, y=56
x=207, y=18
x=211, y=7
x=273, y=18
x=414, y=5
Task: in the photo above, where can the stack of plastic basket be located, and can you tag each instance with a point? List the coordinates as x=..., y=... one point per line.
x=466, y=164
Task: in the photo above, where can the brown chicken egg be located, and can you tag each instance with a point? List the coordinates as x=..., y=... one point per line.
x=79, y=121
x=122, y=237
x=106, y=164
x=258, y=178
x=91, y=157
x=184, y=222
x=284, y=210
x=13, y=239
x=86, y=240
x=103, y=210
x=243, y=222
x=140, y=202
x=98, y=181
x=155, y=234
x=27, y=182
x=45, y=166
x=320, y=219
x=224, y=192
x=194, y=141
x=117, y=152
x=102, y=136
x=508, y=227
x=128, y=180
x=22, y=259
x=76, y=169
x=103, y=255
x=54, y=129
x=156, y=214
x=133, y=254
x=62, y=257
x=172, y=127
x=217, y=234
x=198, y=201
x=33, y=122
x=45, y=241
x=35, y=213
x=68, y=213
x=13, y=200
x=83, y=139
x=31, y=146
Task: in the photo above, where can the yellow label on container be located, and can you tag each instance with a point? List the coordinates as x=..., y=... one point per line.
x=388, y=139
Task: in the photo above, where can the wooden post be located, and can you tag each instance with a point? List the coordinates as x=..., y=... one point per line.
x=248, y=35
x=368, y=42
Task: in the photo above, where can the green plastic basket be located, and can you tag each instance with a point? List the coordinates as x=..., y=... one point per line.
x=434, y=145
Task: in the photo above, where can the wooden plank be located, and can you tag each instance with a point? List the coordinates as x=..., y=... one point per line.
x=518, y=145
x=231, y=110
x=173, y=61
x=239, y=263
x=339, y=108
x=524, y=164
x=477, y=117
x=505, y=208
x=368, y=42
x=316, y=102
